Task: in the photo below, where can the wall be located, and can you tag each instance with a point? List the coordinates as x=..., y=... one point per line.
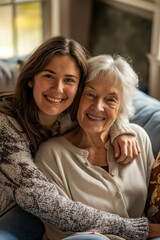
x=117, y=31
x=75, y=19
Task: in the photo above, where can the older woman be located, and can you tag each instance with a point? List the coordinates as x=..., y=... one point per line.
x=82, y=162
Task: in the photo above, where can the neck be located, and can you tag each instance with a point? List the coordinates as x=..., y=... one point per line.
x=47, y=120
x=83, y=139
x=93, y=143
x=94, y=140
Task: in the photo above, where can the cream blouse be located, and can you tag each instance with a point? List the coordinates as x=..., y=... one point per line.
x=122, y=190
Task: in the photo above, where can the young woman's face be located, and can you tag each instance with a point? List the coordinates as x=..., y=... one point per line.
x=54, y=88
x=99, y=105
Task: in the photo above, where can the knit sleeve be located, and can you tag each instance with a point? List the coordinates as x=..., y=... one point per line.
x=120, y=127
x=22, y=182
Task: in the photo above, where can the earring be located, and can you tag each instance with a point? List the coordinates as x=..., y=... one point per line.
x=30, y=84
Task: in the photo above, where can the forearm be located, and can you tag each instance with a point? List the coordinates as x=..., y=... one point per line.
x=76, y=217
x=41, y=198
x=33, y=192
x=120, y=127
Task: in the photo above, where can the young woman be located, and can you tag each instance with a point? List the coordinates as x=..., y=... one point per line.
x=48, y=87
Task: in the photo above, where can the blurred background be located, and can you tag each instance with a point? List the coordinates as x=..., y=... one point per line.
x=130, y=28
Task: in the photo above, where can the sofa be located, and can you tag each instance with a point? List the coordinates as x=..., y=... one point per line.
x=147, y=108
x=147, y=115
x=9, y=69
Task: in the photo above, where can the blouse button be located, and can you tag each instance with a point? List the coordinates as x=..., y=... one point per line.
x=114, y=173
x=118, y=195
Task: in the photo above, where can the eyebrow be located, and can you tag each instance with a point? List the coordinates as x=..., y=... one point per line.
x=91, y=87
x=116, y=93
x=66, y=75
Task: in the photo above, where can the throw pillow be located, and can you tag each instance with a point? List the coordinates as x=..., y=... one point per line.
x=153, y=202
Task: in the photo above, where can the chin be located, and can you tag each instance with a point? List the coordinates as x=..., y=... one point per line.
x=51, y=113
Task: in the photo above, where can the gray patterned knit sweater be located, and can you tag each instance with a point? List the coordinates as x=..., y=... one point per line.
x=22, y=183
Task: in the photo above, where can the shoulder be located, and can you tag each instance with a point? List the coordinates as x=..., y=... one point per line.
x=15, y=146
x=141, y=135
x=139, y=131
x=9, y=122
x=11, y=132
x=10, y=127
x=49, y=151
x=145, y=145
x=51, y=143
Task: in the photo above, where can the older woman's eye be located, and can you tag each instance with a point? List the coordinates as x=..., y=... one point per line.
x=111, y=99
x=90, y=95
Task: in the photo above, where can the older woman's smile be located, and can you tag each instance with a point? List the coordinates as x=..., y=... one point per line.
x=96, y=118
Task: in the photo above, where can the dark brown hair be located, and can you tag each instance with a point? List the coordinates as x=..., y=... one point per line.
x=22, y=105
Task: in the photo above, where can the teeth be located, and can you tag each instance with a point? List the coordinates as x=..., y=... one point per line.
x=54, y=99
x=95, y=118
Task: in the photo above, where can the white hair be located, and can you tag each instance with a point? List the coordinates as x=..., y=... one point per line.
x=118, y=69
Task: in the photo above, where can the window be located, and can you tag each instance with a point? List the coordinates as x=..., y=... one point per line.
x=21, y=26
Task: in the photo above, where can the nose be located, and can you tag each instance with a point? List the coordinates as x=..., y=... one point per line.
x=99, y=105
x=58, y=85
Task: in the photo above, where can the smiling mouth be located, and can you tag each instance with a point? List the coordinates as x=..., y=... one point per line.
x=55, y=100
x=95, y=118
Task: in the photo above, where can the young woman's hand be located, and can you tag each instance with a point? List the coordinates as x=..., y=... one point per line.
x=126, y=148
x=154, y=230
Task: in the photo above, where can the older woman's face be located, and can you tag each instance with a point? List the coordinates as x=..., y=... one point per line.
x=99, y=105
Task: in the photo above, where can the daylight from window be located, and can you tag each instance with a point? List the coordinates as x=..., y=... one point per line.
x=21, y=28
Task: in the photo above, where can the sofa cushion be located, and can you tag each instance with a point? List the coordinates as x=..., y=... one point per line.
x=8, y=75
x=147, y=115
x=9, y=69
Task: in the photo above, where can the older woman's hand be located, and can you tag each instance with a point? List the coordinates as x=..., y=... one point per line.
x=126, y=148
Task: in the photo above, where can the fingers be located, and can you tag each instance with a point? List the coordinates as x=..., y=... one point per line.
x=137, y=147
x=128, y=148
x=125, y=153
x=117, y=149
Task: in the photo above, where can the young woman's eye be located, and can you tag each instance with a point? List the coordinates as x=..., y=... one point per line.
x=49, y=76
